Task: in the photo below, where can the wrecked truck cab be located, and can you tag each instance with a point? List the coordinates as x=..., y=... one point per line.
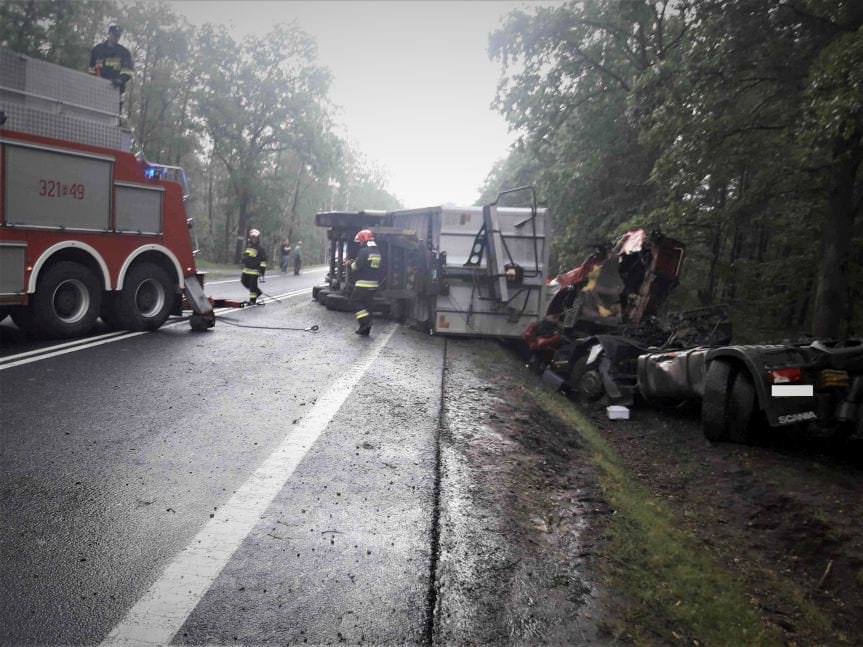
x=623, y=285
x=816, y=383
x=613, y=295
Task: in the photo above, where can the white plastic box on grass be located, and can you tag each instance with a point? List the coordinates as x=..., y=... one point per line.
x=617, y=412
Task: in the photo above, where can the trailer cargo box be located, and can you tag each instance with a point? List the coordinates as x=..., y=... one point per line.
x=466, y=271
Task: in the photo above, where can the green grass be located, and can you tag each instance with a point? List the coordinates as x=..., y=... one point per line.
x=675, y=589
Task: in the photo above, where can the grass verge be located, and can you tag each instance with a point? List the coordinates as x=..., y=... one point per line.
x=673, y=589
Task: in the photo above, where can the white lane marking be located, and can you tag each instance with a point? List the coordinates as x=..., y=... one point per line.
x=792, y=391
x=162, y=610
x=63, y=349
x=74, y=349
x=313, y=270
x=75, y=342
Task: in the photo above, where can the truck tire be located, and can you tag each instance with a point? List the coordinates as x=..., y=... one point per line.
x=399, y=310
x=66, y=303
x=321, y=294
x=339, y=303
x=585, y=382
x=728, y=407
x=146, y=299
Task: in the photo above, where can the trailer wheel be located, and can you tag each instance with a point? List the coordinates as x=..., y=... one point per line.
x=66, y=302
x=728, y=407
x=146, y=299
x=339, y=303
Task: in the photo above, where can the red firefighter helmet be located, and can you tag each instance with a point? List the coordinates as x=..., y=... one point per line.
x=363, y=236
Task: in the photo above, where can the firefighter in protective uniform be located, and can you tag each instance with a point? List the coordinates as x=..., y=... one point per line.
x=110, y=60
x=366, y=272
x=254, y=265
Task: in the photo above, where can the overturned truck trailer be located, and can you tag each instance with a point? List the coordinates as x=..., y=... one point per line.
x=468, y=271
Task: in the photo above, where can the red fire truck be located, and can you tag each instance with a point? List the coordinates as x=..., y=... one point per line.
x=87, y=230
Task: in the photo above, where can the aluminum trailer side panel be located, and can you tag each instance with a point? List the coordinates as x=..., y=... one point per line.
x=478, y=301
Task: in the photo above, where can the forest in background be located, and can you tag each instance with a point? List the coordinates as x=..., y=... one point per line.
x=250, y=121
x=735, y=126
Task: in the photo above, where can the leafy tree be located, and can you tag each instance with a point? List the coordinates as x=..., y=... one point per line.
x=733, y=124
x=257, y=98
x=59, y=31
x=568, y=74
x=159, y=100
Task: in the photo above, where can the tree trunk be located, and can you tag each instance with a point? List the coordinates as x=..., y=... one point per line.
x=709, y=295
x=295, y=200
x=242, y=224
x=226, y=247
x=836, y=239
x=26, y=25
x=210, y=197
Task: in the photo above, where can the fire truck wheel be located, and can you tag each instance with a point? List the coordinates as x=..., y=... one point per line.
x=146, y=298
x=339, y=303
x=66, y=302
x=728, y=406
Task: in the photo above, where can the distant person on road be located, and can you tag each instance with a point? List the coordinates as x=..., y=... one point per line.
x=297, y=255
x=366, y=271
x=285, y=255
x=254, y=265
x=110, y=60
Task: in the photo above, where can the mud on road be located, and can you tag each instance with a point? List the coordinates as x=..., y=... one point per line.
x=559, y=526
x=517, y=494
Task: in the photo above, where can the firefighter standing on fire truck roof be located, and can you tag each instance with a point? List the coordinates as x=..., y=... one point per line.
x=254, y=265
x=366, y=270
x=110, y=60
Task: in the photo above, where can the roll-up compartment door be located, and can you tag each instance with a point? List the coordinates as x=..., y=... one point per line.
x=55, y=189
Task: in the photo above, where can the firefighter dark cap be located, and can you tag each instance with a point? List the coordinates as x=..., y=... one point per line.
x=116, y=30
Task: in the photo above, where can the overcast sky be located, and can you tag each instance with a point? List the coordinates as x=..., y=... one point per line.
x=412, y=80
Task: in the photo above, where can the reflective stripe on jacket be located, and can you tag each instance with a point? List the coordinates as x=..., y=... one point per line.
x=367, y=267
x=254, y=259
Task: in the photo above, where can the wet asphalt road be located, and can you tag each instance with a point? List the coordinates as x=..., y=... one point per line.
x=116, y=457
